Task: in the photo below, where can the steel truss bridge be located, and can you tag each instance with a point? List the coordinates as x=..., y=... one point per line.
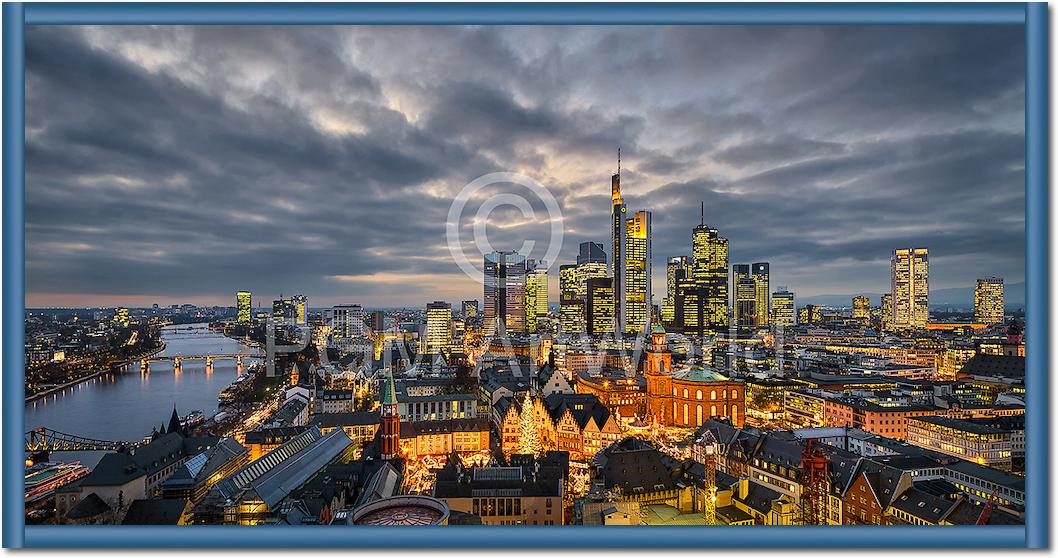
x=46, y=439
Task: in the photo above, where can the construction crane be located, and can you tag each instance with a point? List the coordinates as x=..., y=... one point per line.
x=708, y=451
x=815, y=483
x=987, y=512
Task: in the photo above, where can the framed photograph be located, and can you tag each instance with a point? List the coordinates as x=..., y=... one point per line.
x=347, y=275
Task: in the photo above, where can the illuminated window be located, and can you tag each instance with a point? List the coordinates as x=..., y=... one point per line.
x=699, y=395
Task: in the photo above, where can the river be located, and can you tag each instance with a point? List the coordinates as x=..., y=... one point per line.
x=126, y=406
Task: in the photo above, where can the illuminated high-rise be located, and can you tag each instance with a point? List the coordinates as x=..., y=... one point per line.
x=284, y=311
x=243, y=307
x=743, y=296
x=535, y=294
x=909, y=278
x=301, y=309
x=989, y=300
x=702, y=297
x=438, y=327
x=591, y=263
x=745, y=302
x=618, y=232
x=571, y=303
x=675, y=271
x=121, y=317
x=347, y=321
x=739, y=272
x=809, y=314
x=470, y=309
x=599, y=312
x=504, y=292
x=631, y=266
x=783, y=311
x=887, y=312
x=638, y=272
x=761, y=275
x=861, y=308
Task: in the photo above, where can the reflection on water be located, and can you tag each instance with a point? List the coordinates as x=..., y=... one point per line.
x=127, y=406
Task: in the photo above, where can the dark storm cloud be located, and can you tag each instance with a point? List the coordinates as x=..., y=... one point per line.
x=183, y=163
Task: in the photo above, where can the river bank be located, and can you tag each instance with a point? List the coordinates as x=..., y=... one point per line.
x=144, y=401
x=30, y=398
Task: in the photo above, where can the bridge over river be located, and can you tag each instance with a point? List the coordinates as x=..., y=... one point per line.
x=48, y=440
x=178, y=360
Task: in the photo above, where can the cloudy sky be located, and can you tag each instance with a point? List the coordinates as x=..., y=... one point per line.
x=180, y=164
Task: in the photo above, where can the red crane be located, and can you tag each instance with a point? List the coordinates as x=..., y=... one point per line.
x=815, y=466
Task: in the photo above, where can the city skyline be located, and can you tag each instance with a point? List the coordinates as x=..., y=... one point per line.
x=808, y=162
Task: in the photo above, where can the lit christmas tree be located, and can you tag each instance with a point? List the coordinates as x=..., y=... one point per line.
x=529, y=442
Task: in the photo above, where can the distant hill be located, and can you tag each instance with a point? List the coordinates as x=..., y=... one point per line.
x=956, y=296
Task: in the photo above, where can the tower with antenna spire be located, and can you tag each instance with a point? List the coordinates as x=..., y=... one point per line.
x=618, y=239
x=701, y=301
x=631, y=266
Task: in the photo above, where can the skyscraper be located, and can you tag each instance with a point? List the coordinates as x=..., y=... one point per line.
x=702, y=298
x=347, y=321
x=301, y=309
x=591, y=263
x=739, y=272
x=675, y=271
x=909, y=273
x=761, y=275
x=121, y=316
x=376, y=320
x=438, y=327
x=887, y=312
x=599, y=312
x=618, y=238
x=810, y=314
x=989, y=300
x=861, y=308
x=571, y=303
x=592, y=252
x=631, y=267
x=284, y=311
x=743, y=296
x=470, y=309
x=746, y=302
x=638, y=272
x=504, y=292
x=243, y=307
x=783, y=311
x=535, y=294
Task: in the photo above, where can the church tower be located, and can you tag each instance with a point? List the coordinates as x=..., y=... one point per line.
x=659, y=358
x=390, y=419
x=658, y=370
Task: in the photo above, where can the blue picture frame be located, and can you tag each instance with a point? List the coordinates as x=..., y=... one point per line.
x=1034, y=534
